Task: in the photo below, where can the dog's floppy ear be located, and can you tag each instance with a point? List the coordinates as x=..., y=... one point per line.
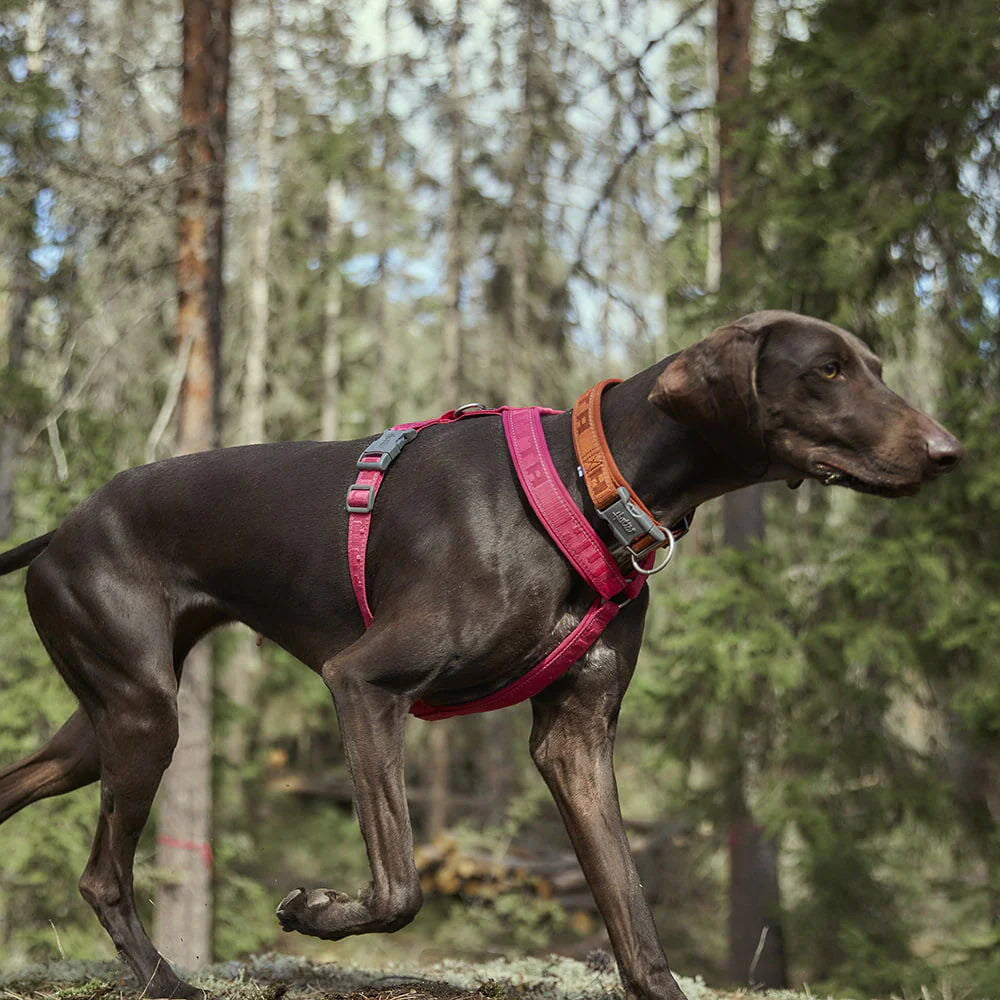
x=711, y=384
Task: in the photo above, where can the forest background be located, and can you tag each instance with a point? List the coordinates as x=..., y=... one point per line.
x=433, y=202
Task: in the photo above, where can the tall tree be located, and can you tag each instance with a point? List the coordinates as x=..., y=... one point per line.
x=743, y=510
x=183, y=914
x=453, y=358
x=756, y=945
x=333, y=306
x=526, y=291
x=242, y=674
x=454, y=361
x=252, y=420
x=886, y=182
x=22, y=283
x=19, y=299
x=384, y=336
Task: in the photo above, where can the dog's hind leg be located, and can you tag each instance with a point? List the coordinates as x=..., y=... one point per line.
x=68, y=761
x=137, y=735
x=371, y=726
x=113, y=644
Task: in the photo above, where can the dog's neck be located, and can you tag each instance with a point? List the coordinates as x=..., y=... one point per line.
x=672, y=467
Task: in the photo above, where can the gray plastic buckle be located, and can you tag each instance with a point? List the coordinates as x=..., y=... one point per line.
x=369, y=503
x=628, y=522
x=387, y=447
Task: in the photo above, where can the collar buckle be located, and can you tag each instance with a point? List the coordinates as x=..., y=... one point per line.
x=629, y=523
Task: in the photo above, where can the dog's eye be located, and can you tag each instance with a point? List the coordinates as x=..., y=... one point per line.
x=830, y=370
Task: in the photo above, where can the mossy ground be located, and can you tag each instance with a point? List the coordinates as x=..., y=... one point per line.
x=275, y=977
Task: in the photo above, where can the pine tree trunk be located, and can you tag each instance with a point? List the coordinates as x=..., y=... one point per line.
x=8, y=451
x=713, y=249
x=19, y=301
x=756, y=939
x=733, y=64
x=332, y=307
x=518, y=387
x=756, y=945
x=438, y=759
x=438, y=780
x=21, y=294
x=382, y=402
x=606, y=334
x=183, y=913
x=743, y=511
x=454, y=362
x=496, y=757
x=182, y=919
x=252, y=419
x=242, y=674
x=520, y=309
x=743, y=518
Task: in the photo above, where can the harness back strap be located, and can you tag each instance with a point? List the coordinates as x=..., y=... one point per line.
x=613, y=498
x=373, y=463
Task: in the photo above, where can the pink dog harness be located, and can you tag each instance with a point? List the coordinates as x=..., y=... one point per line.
x=562, y=519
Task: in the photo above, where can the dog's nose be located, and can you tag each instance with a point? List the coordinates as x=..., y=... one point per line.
x=944, y=450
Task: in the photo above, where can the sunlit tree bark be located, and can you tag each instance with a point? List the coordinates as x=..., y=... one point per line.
x=183, y=913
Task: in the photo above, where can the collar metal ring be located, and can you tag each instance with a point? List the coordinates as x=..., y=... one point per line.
x=671, y=545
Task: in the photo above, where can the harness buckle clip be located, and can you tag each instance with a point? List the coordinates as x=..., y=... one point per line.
x=368, y=505
x=629, y=522
x=385, y=449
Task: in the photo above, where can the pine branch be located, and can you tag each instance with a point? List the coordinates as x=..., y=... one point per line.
x=634, y=62
x=645, y=137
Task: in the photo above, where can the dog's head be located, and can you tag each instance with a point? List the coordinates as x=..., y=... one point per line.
x=799, y=397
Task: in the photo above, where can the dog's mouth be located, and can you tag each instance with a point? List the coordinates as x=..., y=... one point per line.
x=833, y=475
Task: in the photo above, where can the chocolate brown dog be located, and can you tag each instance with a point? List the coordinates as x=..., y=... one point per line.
x=468, y=593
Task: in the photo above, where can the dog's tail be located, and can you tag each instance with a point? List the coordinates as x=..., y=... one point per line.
x=23, y=554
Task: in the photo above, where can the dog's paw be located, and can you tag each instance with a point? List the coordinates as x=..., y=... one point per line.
x=318, y=912
x=287, y=910
x=184, y=992
x=168, y=987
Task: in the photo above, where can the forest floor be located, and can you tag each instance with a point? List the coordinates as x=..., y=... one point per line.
x=276, y=977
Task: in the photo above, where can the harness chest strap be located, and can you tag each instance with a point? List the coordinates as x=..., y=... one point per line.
x=597, y=618
x=558, y=513
x=577, y=540
x=555, y=508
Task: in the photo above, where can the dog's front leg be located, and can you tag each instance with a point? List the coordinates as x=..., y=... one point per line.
x=572, y=743
x=371, y=726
